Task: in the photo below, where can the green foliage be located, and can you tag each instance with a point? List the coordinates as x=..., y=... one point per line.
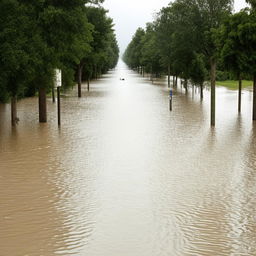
x=236, y=41
x=133, y=53
x=198, y=71
x=4, y=94
x=38, y=36
x=20, y=44
x=181, y=37
x=68, y=34
x=104, y=52
x=222, y=75
x=151, y=58
x=165, y=26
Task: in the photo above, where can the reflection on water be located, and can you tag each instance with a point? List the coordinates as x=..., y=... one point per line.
x=124, y=176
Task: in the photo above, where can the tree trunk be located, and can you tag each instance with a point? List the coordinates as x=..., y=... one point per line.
x=213, y=81
x=53, y=94
x=88, y=84
x=186, y=85
x=79, y=80
x=14, y=110
x=95, y=72
x=176, y=81
x=239, y=94
x=254, y=97
x=201, y=91
x=169, y=75
x=58, y=107
x=151, y=75
x=42, y=105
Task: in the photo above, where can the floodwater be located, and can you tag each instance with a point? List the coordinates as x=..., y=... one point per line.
x=124, y=176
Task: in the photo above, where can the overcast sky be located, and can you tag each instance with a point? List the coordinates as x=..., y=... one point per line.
x=128, y=15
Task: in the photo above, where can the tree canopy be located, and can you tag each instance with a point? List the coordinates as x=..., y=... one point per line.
x=38, y=36
x=184, y=40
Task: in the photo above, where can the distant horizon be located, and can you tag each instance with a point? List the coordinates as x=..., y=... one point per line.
x=128, y=19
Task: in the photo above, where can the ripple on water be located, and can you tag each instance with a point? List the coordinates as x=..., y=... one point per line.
x=125, y=176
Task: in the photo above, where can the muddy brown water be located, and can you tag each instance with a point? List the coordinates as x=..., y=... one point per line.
x=124, y=176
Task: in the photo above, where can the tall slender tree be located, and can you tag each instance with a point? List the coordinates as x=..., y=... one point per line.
x=233, y=51
x=165, y=26
x=20, y=48
x=205, y=17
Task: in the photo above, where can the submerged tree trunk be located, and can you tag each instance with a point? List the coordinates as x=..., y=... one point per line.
x=88, y=84
x=42, y=105
x=151, y=74
x=239, y=94
x=202, y=91
x=213, y=81
x=169, y=75
x=14, y=110
x=254, y=97
x=95, y=72
x=53, y=94
x=186, y=85
x=79, y=80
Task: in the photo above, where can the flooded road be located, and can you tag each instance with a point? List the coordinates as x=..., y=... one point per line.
x=124, y=176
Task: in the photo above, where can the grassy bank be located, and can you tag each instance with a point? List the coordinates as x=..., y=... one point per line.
x=233, y=85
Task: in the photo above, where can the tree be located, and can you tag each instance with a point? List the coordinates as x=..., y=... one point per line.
x=104, y=51
x=20, y=45
x=198, y=71
x=38, y=36
x=204, y=17
x=67, y=33
x=233, y=52
x=133, y=53
x=164, y=30
x=248, y=30
x=185, y=32
x=213, y=13
x=150, y=57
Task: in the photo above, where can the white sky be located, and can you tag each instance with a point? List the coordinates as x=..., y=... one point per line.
x=128, y=15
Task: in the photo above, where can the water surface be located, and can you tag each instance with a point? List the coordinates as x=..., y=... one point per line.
x=125, y=176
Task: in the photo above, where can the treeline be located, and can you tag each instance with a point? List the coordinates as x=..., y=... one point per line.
x=191, y=39
x=37, y=37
